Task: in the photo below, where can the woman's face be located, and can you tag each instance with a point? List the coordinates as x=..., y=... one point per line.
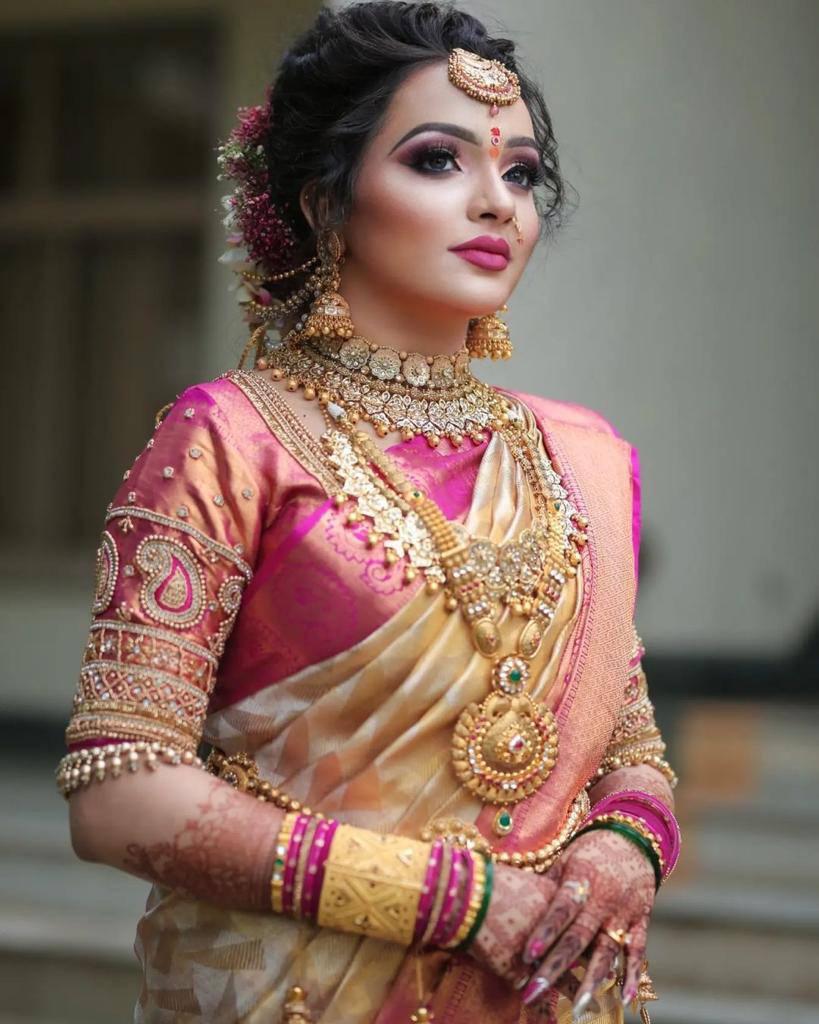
x=430, y=181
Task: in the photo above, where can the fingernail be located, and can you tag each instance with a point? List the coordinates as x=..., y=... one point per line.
x=520, y=982
x=534, y=951
x=534, y=990
x=580, y=1006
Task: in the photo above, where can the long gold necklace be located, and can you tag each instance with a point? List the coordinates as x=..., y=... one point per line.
x=504, y=748
x=403, y=392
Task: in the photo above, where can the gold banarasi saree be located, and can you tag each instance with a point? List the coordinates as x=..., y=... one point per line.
x=343, y=681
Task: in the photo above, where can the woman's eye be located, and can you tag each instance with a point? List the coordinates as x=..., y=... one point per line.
x=523, y=174
x=436, y=160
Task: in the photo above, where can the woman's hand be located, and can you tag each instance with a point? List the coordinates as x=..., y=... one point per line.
x=519, y=901
x=603, y=884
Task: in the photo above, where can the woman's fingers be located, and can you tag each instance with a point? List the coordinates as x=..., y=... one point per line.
x=566, y=904
x=566, y=950
x=604, y=953
x=635, y=957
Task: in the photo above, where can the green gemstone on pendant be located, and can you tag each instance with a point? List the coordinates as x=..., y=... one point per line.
x=503, y=823
x=515, y=675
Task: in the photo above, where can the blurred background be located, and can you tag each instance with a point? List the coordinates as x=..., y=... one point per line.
x=681, y=301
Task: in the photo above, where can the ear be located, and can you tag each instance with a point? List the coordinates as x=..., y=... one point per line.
x=306, y=196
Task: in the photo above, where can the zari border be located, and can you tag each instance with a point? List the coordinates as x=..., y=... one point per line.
x=136, y=512
x=285, y=425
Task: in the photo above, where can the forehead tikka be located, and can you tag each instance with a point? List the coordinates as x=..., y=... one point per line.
x=486, y=80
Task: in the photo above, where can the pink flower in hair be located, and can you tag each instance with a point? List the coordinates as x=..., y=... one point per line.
x=253, y=220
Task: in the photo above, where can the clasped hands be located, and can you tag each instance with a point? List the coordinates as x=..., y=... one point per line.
x=593, y=904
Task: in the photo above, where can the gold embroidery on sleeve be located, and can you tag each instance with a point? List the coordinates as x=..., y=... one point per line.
x=173, y=589
x=141, y=682
x=107, y=569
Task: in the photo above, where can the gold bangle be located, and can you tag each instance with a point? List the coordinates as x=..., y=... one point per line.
x=639, y=826
x=475, y=900
x=277, y=878
x=372, y=884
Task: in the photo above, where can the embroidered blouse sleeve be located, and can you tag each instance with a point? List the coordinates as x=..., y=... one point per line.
x=176, y=552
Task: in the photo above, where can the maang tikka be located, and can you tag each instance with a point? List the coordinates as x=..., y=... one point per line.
x=491, y=82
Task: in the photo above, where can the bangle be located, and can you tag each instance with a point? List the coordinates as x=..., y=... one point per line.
x=291, y=865
x=454, y=912
x=372, y=884
x=429, y=891
x=440, y=895
x=654, y=815
x=484, y=907
x=639, y=826
x=316, y=856
x=476, y=889
x=280, y=862
x=634, y=837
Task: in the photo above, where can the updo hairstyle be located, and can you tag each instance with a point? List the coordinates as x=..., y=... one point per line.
x=334, y=85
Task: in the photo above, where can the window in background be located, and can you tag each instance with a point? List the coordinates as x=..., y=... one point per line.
x=105, y=176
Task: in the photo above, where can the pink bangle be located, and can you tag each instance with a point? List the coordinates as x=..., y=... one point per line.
x=314, y=879
x=291, y=862
x=443, y=925
x=466, y=890
x=429, y=889
x=653, y=813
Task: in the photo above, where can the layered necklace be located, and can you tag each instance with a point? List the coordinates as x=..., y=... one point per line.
x=406, y=392
x=503, y=748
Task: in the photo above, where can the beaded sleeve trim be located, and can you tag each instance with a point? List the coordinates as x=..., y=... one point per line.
x=141, y=682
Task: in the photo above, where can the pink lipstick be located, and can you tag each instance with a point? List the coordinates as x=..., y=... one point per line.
x=485, y=251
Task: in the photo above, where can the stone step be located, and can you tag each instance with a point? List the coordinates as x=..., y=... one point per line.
x=695, y=1006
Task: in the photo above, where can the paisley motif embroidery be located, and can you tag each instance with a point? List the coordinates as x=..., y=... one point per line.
x=107, y=570
x=229, y=596
x=173, y=591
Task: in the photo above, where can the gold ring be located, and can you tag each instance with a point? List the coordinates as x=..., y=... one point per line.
x=618, y=935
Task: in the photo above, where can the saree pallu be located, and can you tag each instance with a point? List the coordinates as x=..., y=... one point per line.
x=365, y=736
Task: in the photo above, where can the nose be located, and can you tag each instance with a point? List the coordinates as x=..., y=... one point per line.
x=492, y=198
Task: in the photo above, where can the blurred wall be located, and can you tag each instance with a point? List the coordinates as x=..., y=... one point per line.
x=681, y=300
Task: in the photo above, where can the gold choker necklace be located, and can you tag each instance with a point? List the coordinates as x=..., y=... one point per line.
x=405, y=392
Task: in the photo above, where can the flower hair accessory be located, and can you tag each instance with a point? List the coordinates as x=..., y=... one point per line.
x=261, y=241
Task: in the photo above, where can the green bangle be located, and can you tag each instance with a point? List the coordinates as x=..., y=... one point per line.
x=487, y=895
x=635, y=837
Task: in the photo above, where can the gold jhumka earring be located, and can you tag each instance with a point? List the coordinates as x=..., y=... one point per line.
x=329, y=315
x=488, y=337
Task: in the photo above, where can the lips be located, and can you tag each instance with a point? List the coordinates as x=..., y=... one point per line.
x=484, y=251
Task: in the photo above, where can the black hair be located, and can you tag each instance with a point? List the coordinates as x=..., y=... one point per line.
x=335, y=83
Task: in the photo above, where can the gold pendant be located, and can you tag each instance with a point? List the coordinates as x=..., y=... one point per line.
x=504, y=748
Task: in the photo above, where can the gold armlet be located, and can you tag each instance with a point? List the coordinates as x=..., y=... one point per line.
x=372, y=884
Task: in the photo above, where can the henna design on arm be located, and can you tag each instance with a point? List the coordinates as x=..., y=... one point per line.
x=223, y=852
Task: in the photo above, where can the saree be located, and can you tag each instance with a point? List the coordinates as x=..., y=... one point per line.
x=344, y=686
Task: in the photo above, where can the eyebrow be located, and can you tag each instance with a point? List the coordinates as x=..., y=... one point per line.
x=460, y=133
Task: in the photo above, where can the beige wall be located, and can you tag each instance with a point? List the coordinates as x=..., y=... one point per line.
x=683, y=299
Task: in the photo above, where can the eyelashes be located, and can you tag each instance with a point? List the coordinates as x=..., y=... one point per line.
x=433, y=158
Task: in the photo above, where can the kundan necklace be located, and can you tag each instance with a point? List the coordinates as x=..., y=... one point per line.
x=504, y=748
x=405, y=392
